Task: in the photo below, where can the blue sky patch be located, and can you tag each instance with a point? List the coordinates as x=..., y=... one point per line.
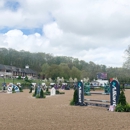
x=4, y=30
x=32, y=31
x=25, y=31
x=12, y=5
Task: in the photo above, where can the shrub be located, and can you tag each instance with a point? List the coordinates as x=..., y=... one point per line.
x=30, y=90
x=37, y=96
x=47, y=93
x=75, y=96
x=20, y=89
x=25, y=85
x=74, y=101
x=122, y=105
x=127, y=108
x=61, y=92
x=119, y=108
x=19, y=77
x=122, y=99
x=26, y=79
x=57, y=92
x=35, y=92
x=13, y=90
x=47, y=90
x=42, y=94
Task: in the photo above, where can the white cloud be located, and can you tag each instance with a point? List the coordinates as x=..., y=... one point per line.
x=1, y=4
x=52, y=30
x=97, y=31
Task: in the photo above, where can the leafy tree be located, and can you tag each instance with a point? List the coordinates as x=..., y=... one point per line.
x=63, y=66
x=44, y=68
x=54, y=71
x=75, y=73
x=65, y=70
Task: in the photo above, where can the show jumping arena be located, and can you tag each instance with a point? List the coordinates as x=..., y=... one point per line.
x=21, y=111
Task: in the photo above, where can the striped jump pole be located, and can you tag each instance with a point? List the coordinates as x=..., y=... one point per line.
x=100, y=93
x=106, y=101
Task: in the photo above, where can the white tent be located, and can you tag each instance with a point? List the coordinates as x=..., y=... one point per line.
x=102, y=82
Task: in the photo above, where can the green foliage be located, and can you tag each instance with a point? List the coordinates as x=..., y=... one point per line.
x=42, y=95
x=37, y=96
x=75, y=72
x=122, y=108
x=50, y=66
x=122, y=99
x=35, y=92
x=57, y=92
x=25, y=85
x=74, y=101
x=26, y=79
x=19, y=77
x=47, y=89
x=122, y=105
x=119, y=108
x=44, y=69
x=13, y=90
x=127, y=108
x=30, y=90
x=47, y=93
x=75, y=96
x=61, y=92
x=20, y=89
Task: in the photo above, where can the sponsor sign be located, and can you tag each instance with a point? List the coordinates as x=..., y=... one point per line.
x=114, y=92
x=80, y=93
x=102, y=75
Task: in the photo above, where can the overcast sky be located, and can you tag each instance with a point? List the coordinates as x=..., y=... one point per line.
x=90, y=30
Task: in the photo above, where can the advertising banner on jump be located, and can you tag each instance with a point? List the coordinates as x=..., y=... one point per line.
x=114, y=92
x=80, y=93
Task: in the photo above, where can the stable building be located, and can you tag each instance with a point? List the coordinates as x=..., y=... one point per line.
x=12, y=71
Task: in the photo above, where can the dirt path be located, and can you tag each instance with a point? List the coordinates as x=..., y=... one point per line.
x=21, y=111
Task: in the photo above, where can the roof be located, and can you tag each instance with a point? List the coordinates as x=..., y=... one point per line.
x=2, y=67
x=17, y=69
x=29, y=71
x=7, y=67
x=14, y=68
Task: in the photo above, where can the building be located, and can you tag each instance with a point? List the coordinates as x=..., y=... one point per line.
x=99, y=82
x=12, y=71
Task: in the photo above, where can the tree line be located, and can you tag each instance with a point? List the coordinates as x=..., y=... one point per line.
x=49, y=66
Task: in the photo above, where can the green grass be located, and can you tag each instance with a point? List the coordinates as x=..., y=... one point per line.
x=15, y=81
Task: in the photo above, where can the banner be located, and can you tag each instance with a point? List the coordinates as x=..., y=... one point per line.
x=102, y=75
x=114, y=92
x=80, y=93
